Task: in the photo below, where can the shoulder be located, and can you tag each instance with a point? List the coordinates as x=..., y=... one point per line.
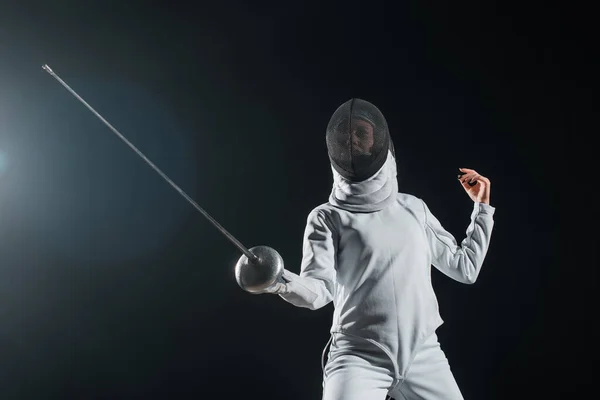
x=411, y=201
x=324, y=215
x=325, y=210
x=414, y=205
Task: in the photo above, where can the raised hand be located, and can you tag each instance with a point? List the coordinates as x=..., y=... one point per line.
x=477, y=186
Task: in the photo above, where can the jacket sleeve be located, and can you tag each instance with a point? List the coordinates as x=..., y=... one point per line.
x=313, y=287
x=461, y=263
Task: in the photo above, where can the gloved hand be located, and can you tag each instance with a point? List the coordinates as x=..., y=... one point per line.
x=278, y=287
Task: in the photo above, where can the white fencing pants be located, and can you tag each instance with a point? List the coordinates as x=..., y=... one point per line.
x=359, y=370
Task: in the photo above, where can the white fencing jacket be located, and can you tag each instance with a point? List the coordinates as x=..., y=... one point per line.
x=370, y=250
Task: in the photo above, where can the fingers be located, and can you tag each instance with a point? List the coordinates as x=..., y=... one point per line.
x=467, y=184
x=465, y=173
x=470, y=178
x=475, y=180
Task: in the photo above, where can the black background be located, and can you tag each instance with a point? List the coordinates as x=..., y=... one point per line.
x=112, y=286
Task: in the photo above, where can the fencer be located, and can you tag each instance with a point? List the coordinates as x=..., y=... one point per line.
x=369, y=250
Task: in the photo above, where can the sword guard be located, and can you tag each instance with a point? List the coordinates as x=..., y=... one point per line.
x=256, y=275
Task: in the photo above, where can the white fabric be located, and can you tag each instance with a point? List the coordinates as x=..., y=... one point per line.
x=359, y=370
x=373, y=194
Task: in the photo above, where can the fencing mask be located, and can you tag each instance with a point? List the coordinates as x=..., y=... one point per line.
x=358, y=140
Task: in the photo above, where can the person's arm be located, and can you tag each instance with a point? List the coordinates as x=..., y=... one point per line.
x=463, y=263
x=313, y=287
x=460, y=262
